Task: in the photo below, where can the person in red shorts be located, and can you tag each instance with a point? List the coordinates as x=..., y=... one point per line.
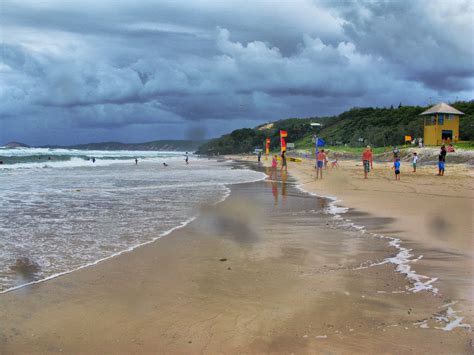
x=320, y=158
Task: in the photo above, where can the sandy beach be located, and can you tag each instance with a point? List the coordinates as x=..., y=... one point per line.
x=431, y=214
x=268, y=271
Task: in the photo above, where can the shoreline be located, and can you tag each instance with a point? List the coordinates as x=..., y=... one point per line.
x=344, y=202
x=96, y=262
x=128, y=250
x=401, y=260
x=263, y=271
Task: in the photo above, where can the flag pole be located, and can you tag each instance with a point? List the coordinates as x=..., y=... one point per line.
x=316, y=150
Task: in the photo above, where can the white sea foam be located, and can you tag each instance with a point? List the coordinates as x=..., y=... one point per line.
x=95, y=262
x=452, y=321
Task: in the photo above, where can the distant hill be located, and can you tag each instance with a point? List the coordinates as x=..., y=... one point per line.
x=377, y=126
x=16, y=145
x=162, y=145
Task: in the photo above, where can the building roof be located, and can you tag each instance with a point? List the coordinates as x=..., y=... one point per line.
x=441, y=108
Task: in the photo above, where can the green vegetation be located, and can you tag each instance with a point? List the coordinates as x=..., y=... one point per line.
x=379, y=127
x=467, y=145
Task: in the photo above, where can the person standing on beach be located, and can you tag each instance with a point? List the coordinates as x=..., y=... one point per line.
x=367, y=160
x=415, y=161
x=187, y=158
x=441, y=161
x=396, y=166
x=259, y=156
x=136, y=161
x=283, y=161
x=320, y=159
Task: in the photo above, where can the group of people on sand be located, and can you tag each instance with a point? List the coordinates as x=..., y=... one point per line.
x=322, y=161
x=284, y=165
x=367, y=161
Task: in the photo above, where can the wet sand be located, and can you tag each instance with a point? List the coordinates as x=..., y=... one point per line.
x=264, y=271
x=432, y=215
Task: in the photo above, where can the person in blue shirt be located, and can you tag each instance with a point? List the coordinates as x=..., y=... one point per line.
x=396, y=166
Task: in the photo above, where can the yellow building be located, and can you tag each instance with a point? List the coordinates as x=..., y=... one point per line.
x=441, y=124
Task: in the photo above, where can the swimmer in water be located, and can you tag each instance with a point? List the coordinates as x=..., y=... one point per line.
x=164, y=164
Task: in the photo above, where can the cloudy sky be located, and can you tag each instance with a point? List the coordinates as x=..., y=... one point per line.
x=87, y=71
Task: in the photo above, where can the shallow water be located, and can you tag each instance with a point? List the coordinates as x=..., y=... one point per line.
x=57, y=219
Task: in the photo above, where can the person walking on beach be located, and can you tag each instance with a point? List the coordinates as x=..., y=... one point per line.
x=283, y=161
x=274, y=166
x=415, y=161
x=320, y=159
x=441, y=161
x=396, y=166
x=367, y=160
x=186, y=159
x=259, y=156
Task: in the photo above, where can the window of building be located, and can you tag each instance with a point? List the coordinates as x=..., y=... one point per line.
x=430, y=121
x=440, y=119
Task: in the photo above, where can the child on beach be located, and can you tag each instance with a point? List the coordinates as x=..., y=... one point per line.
x=274, y=165
x=441, y=161
x=396, y=166
x=320, y=159
x=367, y=160
x=415, y=161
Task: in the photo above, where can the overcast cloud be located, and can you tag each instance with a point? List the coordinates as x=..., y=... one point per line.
x=83, y=71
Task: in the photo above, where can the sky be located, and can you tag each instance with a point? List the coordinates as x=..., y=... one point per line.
x=133, y=71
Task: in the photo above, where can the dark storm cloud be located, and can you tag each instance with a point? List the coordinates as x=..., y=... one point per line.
x=426, y=41
x=108, y=69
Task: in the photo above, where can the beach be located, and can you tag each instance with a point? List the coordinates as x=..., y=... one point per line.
x=274, y=269
x=431, y=214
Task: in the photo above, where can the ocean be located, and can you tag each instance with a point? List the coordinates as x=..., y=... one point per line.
x=60, y=211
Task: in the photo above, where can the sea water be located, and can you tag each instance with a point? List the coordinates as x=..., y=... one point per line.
x=59, y=211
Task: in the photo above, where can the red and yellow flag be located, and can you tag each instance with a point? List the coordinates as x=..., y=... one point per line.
x=267, y=146
x=283, y=134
